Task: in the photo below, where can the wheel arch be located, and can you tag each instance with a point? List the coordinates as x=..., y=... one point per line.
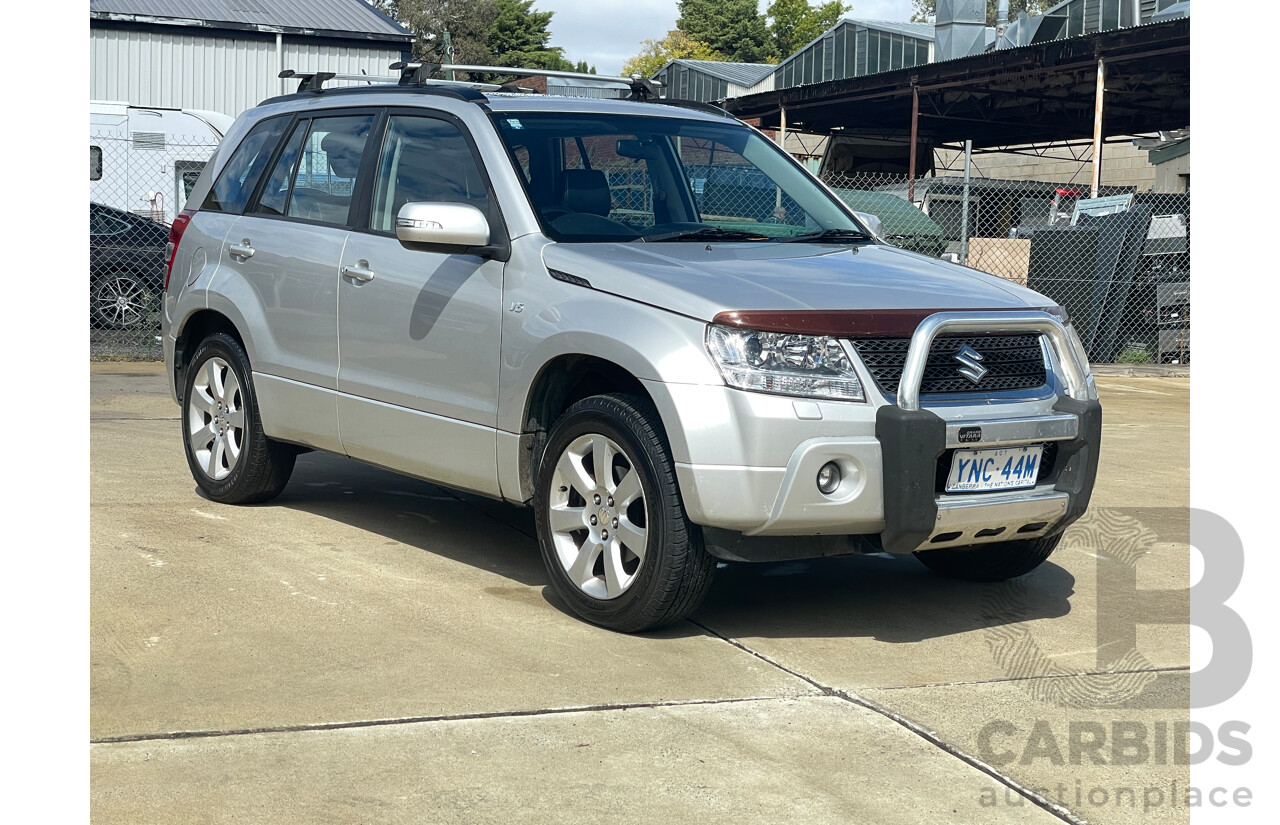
x=198, y=326
x=559, y=384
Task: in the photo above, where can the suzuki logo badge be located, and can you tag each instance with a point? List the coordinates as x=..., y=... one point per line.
x=971, y=364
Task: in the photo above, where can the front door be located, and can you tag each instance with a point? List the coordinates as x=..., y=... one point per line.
x=419, y=332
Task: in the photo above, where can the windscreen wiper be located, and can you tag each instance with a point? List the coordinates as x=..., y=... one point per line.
x=710, y=233
x=828, y=236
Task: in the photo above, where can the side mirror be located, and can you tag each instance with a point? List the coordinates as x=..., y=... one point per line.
x=871, y=222
x=442, y=224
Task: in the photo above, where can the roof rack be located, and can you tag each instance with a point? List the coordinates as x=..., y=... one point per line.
x=696, y=105
x=419, y=74
x=308, y=81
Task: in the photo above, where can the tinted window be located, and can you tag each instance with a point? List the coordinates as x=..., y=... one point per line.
x=236, y=181
x=276, y=193
x=101, y=223
x=424, y=159
x=326, y=170
x=95, y=163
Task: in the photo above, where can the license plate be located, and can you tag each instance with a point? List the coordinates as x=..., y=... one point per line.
x=1008, y=468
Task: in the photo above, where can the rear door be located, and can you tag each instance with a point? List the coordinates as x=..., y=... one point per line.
x=419, y=331
x=285, y=251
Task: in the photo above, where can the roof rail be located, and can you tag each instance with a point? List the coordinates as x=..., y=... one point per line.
x=696, y=105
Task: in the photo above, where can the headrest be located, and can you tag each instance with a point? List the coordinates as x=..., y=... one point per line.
x=587, y=190
x=343, y=150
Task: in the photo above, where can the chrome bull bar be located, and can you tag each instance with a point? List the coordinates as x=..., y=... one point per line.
x=940, y=323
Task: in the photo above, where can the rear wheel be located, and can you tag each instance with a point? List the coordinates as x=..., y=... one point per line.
x=990, y=562
x=230, y=456
x=612, y=528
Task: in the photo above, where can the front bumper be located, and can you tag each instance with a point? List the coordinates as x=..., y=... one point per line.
x=891, y=496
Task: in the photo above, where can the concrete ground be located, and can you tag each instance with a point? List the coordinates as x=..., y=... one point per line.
x=373, y=648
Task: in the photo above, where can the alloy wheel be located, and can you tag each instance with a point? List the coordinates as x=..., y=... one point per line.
x=215, y=419
x=597, y=515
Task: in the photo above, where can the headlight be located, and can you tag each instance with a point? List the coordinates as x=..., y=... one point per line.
x=783, y=363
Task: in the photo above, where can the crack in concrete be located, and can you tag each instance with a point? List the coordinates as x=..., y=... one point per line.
x=414, y=720
x=929, y=736
x=131, y=418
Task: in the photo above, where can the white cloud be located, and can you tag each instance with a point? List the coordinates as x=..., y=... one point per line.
x=607, y=32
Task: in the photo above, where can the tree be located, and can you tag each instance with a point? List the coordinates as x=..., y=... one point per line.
x=924, y=9
x=795, y=23
x=518, y=37
x=487, y=32
x=732, y=27
x=466, y=21
x=657, y=53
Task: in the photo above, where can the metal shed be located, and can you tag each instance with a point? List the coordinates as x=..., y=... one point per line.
x=225, y=56
x=708, y=80
x=853, y=48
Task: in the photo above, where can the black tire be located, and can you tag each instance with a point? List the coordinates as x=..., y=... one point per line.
x=261, y=467
x=121, y=300
x=990, y=562
x=675, y=571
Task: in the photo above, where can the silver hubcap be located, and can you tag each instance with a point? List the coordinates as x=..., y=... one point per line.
x=215, y=419
x=120, y=302
x=598, y=518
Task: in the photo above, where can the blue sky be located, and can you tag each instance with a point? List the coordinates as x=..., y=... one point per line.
x=607, y=32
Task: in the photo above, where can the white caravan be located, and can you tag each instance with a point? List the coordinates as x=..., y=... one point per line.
x=145, y=159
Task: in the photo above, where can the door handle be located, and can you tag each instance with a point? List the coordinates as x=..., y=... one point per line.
x=241, y=250
x=360, y=272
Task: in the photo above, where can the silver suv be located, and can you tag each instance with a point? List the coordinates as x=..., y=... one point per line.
x=641, y=318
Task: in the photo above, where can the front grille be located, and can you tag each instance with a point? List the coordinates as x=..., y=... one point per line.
x=1013, y=362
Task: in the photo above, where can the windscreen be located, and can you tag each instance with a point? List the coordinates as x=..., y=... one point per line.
x=599, y=177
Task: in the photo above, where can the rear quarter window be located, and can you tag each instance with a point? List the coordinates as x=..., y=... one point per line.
x=237, y=180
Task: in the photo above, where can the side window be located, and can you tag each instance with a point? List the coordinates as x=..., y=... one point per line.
x=522, y=160
x=95, y=163
x=326, y=170
x=235, y=183
x=276, y=193
x=424, y=159
x=101, y=224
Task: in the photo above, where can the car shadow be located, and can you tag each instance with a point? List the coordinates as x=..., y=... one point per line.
x=479, y=532
x=892, y=599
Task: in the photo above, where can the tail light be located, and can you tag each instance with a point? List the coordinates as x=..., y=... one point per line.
x=175, y=235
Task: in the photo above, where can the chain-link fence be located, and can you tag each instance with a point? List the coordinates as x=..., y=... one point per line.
x=1120, y=264
x=138, y=182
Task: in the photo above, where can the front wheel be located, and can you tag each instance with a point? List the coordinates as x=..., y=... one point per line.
x=990, y=562
x=230, y=456
x=614, y=536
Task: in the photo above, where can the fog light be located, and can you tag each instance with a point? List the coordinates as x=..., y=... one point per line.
x=829, y=478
